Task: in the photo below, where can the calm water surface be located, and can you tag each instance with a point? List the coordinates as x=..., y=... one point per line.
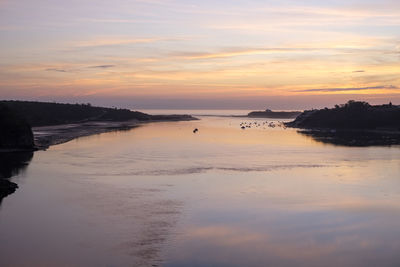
x=161, y=195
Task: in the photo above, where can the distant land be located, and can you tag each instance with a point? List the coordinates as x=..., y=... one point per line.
x=274, y=114
x=354, y=123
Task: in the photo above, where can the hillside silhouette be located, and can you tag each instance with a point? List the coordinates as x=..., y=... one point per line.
x=44, y=113
x=352, y=115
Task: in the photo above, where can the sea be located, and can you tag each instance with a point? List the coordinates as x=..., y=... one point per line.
x=161, y=195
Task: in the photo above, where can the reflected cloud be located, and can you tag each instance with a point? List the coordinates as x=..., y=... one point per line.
x=354, y=138
x=225, y=235
x=291, y=240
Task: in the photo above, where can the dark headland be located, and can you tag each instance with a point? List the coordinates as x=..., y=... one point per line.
x=15, y=131
x=355, y=123
x=274, y=114
x=16, y=138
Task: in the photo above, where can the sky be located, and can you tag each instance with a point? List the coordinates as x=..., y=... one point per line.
x=232, y=54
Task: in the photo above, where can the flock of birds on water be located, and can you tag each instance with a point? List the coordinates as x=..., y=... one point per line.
x=264, y=124
x=244, y=125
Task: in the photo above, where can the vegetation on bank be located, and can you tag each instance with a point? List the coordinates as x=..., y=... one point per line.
x=354, y=115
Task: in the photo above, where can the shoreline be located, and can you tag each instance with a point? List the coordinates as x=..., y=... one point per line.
x=353, y=137
x=46, y=136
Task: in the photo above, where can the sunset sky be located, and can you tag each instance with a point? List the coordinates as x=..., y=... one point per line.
x=200, y=54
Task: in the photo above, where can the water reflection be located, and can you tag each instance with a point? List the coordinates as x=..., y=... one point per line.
x=354, y=138
x=161, y=195
x=11, y=164
x=325, y=238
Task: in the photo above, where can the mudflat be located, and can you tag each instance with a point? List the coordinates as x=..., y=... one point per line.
x=46, y=136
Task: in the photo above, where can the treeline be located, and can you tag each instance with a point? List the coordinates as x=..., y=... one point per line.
x=44, y=113
x=352, y=115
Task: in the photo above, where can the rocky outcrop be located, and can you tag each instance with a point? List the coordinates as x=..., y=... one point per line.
x=15, y=132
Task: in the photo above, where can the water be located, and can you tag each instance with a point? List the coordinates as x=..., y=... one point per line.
x=199, y=112
x=161, y=195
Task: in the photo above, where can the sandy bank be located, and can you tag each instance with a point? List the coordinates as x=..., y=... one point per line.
x=46, y=136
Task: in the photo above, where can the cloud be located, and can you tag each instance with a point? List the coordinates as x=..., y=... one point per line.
x=56, y=70
x=101, y=66
x=349, y=89
x=347, y=49
x=111, y=41
x=239, y=52
x=358, y=71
